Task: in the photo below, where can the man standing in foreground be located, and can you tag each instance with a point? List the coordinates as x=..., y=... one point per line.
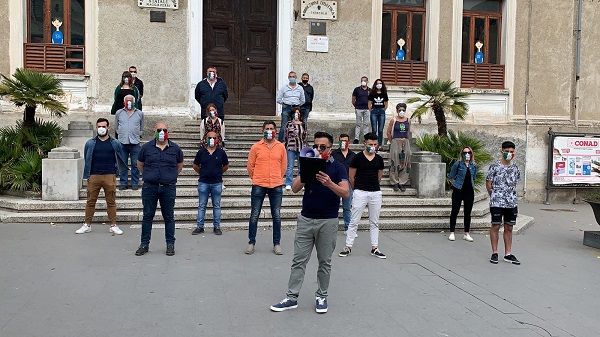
x=210, y=162
x=344, y=155
x=317, y=226
x=160, y=161
x=103, y=158
x=129, y=124
x=267, y=162
x=501, y=183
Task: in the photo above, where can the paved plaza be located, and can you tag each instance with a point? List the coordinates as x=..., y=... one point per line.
x=56, y=283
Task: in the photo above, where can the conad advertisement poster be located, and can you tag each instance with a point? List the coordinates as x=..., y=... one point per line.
x=573, y=159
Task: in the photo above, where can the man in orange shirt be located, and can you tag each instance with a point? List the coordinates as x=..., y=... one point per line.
x=267, y=163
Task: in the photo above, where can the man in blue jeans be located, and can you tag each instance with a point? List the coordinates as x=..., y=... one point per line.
x=160, y=161
x=210, y=162
x=344, y=155
x=129, y=124
x=267, y=162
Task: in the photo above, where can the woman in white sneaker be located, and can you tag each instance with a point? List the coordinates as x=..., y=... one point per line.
x=463, y=174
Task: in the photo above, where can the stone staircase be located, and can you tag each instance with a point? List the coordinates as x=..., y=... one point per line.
x=401, y=210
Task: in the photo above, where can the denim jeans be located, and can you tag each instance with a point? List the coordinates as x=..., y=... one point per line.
x=377, y=124
x=130, y=151
x=285, y=117
x=305, y=112
x=256, y=200
x=347, y=207
x=151, y=194
x=289, y=173
x=215, y=191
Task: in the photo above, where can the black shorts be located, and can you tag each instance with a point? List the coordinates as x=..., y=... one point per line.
x=509, y=214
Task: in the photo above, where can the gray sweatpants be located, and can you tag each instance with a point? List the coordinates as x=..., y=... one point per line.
x=320, y=233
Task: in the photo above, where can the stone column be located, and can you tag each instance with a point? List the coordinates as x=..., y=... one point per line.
x=77, y=134
x=62, y=174
x=428, y=174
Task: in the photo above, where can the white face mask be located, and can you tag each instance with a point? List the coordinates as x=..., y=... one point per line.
x=379, y=86
x=401, y=113
x=161, y=136
x=134, y=75
x=102, y=131
x=363, y=83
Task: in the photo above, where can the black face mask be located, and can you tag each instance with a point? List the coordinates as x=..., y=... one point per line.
x=305, y=81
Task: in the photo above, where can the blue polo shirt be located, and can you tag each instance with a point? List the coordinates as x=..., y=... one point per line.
x=160, y=166
x=211, y=165
x=319, y=202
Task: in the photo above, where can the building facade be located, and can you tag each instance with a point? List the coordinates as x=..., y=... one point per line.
x=527, y=64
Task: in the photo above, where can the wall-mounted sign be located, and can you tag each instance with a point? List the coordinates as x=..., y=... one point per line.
x=319, y=44
x=319, y=9
x=165, y=4
x=317, y=28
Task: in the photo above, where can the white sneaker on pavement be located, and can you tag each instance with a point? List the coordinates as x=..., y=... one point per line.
x=116, y=230
x=467, y=237
x=288, y=187
x=451, y=237
x=84, y=229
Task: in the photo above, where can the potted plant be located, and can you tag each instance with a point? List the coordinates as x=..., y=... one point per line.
x=592, y=197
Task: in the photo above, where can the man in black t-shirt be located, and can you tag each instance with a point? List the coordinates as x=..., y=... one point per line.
x=365, y=175
x=210, y=162
x=317, y=225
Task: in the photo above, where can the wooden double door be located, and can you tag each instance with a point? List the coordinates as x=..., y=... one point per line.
x=239, y=39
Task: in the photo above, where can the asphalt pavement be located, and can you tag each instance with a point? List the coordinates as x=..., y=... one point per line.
x=56, y=283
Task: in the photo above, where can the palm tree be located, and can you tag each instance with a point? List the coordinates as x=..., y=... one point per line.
x=442, y=97
x=32, y=88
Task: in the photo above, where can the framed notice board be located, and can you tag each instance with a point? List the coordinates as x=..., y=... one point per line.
x=571, y=157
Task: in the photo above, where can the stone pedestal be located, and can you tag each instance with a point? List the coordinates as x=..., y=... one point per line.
x=62, y=172
x=77, y=134
x=428, y=174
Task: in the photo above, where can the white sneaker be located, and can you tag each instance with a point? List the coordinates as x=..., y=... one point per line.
x=84, y=229
x=115, y=229
x=288, y=187
x=451, y=237
x=467, y=237
x=223, y=186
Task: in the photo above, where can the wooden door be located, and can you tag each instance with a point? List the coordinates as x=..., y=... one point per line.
x=240, y=41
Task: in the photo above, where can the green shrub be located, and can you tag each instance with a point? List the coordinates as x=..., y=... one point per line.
x=21, y=152
x=450, y=147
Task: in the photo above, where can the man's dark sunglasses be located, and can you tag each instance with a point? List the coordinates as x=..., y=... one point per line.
x=159, y=130
x=321, y=147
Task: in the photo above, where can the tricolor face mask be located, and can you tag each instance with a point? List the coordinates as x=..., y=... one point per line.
x=212, y=113
x=161, y=136
x=269, y=134
x=129, y=105
x=343, y=144
x=296, y=116
x=211, y=75
x=126, y=80
x=371, y=149
x=212, y=142
x=508, y=156
x=466, y=156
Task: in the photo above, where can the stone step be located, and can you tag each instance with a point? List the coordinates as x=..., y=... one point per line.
x=243, y=152
x=231, y=202
x=230, y=180
x=128, y=216
x=233, y=191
